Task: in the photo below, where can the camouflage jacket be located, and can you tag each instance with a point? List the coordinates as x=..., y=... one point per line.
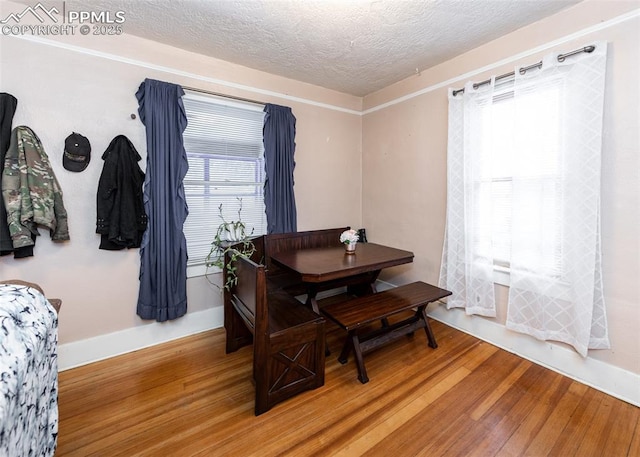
x=31, y=193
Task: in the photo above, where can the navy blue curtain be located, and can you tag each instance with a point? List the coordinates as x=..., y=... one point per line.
x=163, y=252
x=279, y=134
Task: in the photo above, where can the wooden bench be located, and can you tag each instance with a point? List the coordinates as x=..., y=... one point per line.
x=279, y=279
x=288, y=338
x=357, y=315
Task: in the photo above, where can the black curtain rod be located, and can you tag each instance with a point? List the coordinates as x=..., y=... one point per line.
x=523, y=70
x=217, y=94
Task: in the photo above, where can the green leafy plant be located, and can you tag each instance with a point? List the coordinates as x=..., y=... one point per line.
x=231, y=237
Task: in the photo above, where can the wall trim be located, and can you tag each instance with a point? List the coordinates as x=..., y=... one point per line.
x=466, y=76
x=77, y=353
x=602, y=376
x=176, y=72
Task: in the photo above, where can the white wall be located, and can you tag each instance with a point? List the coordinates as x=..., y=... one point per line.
x=88, y=84
x=405, y=146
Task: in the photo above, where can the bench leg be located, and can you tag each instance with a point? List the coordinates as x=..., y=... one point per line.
x=427, y=328
x=362, y=371
x=346, y=349
x=353, y=341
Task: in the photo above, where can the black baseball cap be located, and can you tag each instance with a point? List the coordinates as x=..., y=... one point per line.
x=77, y=152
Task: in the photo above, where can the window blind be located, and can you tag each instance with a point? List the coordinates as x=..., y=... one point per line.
x=540, y=111
x=223, y=142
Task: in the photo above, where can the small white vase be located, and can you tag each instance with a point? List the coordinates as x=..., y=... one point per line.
x=350, y=248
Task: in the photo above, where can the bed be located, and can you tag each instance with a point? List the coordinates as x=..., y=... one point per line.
x=28, y=370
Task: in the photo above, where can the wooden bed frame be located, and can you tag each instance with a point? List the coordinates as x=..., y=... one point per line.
x=55, y=302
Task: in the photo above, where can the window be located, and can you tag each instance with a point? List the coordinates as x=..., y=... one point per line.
x=523, y=193
x=223, y=142
x=538, y=182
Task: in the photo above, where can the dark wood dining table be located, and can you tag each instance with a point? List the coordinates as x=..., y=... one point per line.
x=332, y=265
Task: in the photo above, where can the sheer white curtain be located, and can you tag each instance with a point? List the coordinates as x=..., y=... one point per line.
x=528, y=155
x=556, y=276
x=467, y=261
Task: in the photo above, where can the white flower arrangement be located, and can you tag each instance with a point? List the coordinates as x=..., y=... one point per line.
x=349, y=236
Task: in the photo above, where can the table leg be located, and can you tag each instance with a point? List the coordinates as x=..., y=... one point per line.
x=312, y=291
x=365, y=288
x=374, y=278
x=311, y=298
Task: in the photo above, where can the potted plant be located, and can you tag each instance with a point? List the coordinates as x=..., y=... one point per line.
x=231, y=237
x=349, y=238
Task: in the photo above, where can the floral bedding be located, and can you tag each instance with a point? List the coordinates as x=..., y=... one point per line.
x=28, y=373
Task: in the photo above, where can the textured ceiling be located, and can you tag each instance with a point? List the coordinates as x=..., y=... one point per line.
x=352, y=46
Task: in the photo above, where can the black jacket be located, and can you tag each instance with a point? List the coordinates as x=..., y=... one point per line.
x=8, y=104
x=121, y=219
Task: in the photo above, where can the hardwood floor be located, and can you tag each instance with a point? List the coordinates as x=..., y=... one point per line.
x=465, y=398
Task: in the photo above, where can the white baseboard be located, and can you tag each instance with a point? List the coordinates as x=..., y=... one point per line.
x=78, y=353
x=71, y=355
x=602, y=376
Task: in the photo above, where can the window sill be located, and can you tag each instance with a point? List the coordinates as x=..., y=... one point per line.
x=195, y=271
x=501, y=275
